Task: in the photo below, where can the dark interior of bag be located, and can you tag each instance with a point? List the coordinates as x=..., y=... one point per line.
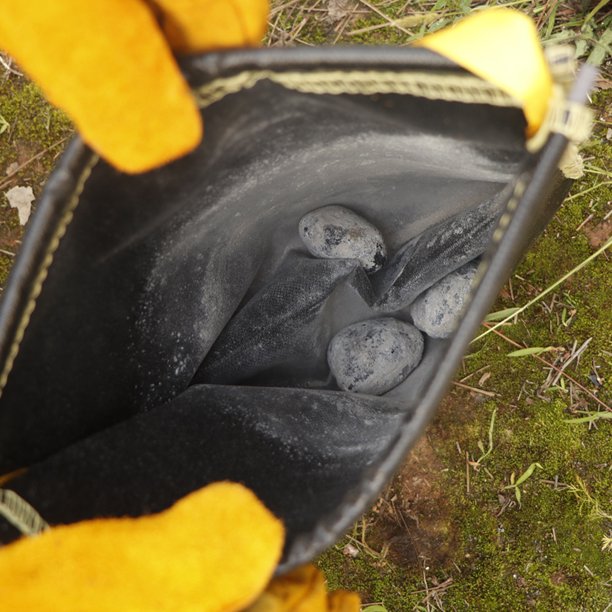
x=181, y=336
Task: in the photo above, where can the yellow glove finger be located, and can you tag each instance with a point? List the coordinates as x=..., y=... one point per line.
x=199, y=25
x=304, y=590
x=503, y=47
x=213, y=551
x=108, y=65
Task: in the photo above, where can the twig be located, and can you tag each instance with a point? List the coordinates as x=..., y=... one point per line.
x=7, y=180
x=340, y=29
x=426, y=586
x=385, y=17
x=410, y=21
x=585, y=222
x=282, y=7
x=295, y=32
x=572, y=357
x=440, y=587
x=473, y=373
x=475, y=389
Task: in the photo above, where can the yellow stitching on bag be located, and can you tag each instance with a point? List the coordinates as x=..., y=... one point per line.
x=571, y=119
x=434, y=86
x=43, y=272
x=504, y=222
x=21, y=514
x=508, y=214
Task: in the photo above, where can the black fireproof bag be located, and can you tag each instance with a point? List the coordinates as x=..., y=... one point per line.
x=168, y=330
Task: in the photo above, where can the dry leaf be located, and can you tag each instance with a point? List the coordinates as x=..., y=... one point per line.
x=21, y=198
x=483, y=379
x=11, y=168
x=350, y=551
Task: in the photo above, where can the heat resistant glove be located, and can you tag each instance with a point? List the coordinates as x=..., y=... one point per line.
x=215, y=550
x=109, y=64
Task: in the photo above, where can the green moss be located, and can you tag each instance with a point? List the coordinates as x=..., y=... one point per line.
x=5, y=267
x=33, y=123
x=516, y=558
x=376, y=581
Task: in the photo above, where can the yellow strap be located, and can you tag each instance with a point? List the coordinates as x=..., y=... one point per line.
x=503, y=47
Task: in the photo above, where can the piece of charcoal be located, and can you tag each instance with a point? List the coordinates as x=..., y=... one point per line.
x=335, y=232
x=439, y=250
x=374, y=356
x=437, y=311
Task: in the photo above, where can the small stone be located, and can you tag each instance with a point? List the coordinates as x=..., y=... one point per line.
x=374, y=356
x=350, y=551
x=21, y=198
x=437, y=311
x=335, y=232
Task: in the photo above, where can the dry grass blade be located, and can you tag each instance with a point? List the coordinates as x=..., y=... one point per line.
x=575, y=355
x=410, y=21
x=8, y=66
x=475, y=389
x=585, y=191
x=433, y=592
x=281, y=7
x=392, y=22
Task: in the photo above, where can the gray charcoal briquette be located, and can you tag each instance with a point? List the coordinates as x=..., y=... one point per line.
x=374, y=356
x=335, y=232
x=437, y=311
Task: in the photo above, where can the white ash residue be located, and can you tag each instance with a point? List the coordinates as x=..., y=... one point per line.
x=374, y=356
x=335, y=232
x=437, y=311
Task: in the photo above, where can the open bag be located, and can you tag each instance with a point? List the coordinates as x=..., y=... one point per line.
x=168, y=330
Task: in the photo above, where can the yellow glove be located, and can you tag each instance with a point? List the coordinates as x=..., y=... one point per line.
x=213, y=551
x=304, y=590
x=109, y=65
